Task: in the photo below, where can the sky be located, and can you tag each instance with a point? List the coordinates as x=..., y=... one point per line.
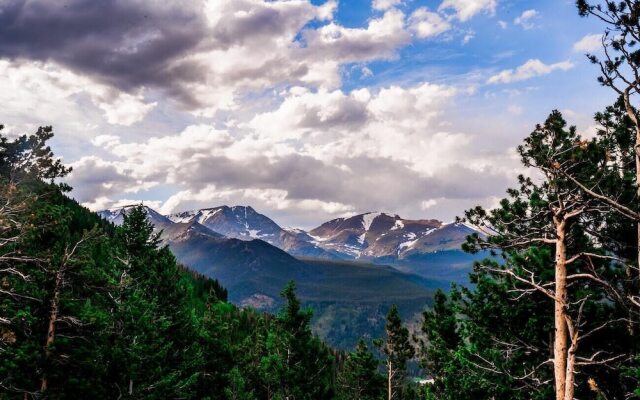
x=307, y=110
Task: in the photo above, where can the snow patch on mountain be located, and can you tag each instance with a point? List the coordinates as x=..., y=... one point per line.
x=253, y=233
x=398, y=225
x=408, y=243
x=206, y=214
x=367, y=220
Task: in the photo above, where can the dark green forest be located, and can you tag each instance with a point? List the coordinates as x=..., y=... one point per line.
x=89, y=310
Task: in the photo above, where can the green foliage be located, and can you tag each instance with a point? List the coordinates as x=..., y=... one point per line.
x=398, y=349
x=495, y=340
x=28, y=159
x=358, y=378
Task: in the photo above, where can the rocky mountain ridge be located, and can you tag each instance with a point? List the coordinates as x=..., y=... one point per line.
x=369, y=237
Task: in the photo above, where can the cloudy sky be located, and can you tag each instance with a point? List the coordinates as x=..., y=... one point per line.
x=305, y=109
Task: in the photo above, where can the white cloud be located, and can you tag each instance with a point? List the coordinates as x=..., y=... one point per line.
x=379, y=40
x=53, y=91
x=466, y=9
x=515, y=109
x=589, y=43
x=425, y=23
x=326, y=11
x=125, y=109
x=427, y=204
x=103, y=203
x=385, y=4
x=366, y=72
x=106, y=141
x=289, y=52
x=468, y=37
x=526, y=19
x=528, y=70
x=273, y=199
x=503, y=24
x=319, y=154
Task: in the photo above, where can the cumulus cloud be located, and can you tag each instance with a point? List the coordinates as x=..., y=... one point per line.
x=589, y=43
x=425, y=23
x=528, y=70
x=319, y=154
x=94, y=178
x=271, y=199
x=466, y=9
x=125, y=109
x=385, y=4
x=52, y=90
x=379, y=39
x=204, y=57
x=527, y=19
x=127, y=44
x=209, y=56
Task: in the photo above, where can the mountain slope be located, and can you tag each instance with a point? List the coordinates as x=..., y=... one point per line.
x=375, y=235
x=425, y=247
x=244, y=223
x=171, y=231
x=349, y=299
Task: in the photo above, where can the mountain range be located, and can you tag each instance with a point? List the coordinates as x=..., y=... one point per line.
x=349, y=270
x=372, y=236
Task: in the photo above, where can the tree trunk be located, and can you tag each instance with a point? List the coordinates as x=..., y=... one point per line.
x=389, y=380
x=571, y=363
x=51, y=331
x=634, y=118
x=560, y=340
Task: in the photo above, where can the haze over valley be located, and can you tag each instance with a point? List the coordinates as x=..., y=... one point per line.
x=349, y=270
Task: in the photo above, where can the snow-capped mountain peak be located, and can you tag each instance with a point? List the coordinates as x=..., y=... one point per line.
x=374, y=235
x=240, y=222
x=116, y=215
x=367, y=236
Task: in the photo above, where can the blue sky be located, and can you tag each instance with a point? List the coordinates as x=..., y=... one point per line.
x=305, y=110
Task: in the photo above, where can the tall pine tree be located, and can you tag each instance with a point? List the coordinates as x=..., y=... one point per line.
x=398, y=350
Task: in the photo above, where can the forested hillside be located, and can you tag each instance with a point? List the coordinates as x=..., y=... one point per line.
x=89, y=310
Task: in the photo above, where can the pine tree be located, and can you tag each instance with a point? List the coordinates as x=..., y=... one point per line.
x=54, y=307
x=359, y=378
x=295, y=364
x=398, y=350
x=504, y=322
x=237, y=387
x=153, y=331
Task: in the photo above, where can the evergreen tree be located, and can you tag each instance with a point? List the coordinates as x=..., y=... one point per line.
x=153, y=336
x=53, y=304
x=303, y=362
x=398, y=350
x=359, y=378
x=237, y=387
x=504, y=322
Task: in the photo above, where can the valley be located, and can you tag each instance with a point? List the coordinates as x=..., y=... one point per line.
x=348, y=270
